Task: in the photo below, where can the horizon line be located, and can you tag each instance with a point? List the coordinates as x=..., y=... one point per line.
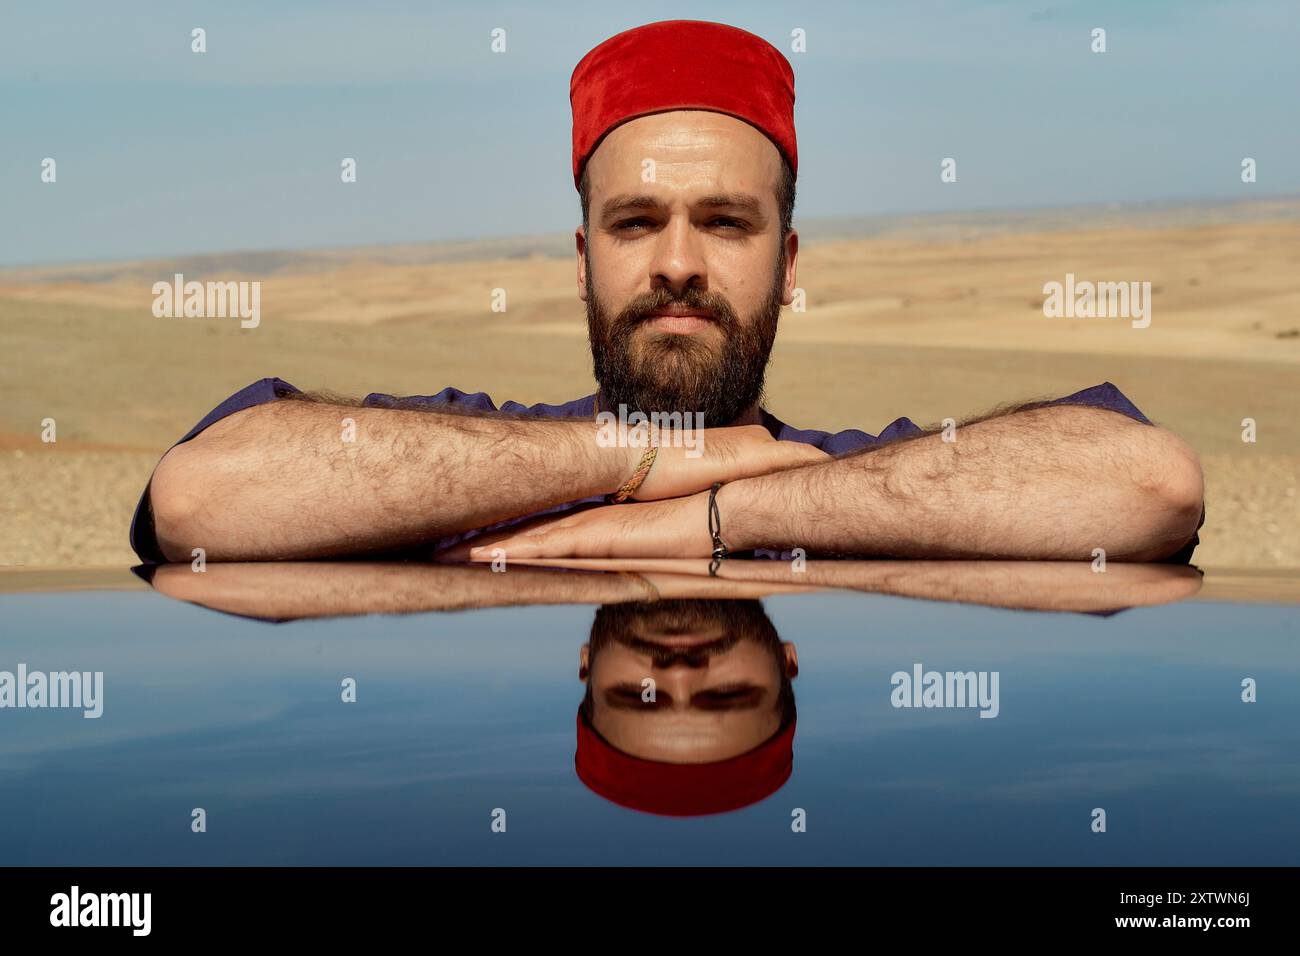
x=816, y=222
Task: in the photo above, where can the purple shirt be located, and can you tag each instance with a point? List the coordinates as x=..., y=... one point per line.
x=145, y=543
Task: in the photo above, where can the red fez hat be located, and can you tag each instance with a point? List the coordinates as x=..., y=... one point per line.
x=682, y=65
x=683, y=789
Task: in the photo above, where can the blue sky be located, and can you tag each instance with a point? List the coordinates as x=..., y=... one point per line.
x=164, y=152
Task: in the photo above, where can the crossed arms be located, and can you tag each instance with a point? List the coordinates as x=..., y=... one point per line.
x=277, y=481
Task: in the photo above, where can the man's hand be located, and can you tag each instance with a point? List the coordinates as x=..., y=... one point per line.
x=727, y=454
x=676, y=527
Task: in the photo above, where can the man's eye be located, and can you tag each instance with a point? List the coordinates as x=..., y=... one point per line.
x=629, y=224
x=726, y=222
x=720, y=697
x=634, y=696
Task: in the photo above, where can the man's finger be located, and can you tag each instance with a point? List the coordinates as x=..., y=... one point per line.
x=795, y=449
x=530, y=546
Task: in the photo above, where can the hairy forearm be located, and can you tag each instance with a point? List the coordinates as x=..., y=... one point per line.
x=1047, y=483
x=280, y=481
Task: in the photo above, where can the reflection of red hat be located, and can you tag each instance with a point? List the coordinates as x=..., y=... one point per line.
x=683, y=789
x=682, y=65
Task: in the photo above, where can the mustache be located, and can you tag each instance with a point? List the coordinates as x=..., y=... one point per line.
x=738, y=619
x=665, y=657
x=644, y=305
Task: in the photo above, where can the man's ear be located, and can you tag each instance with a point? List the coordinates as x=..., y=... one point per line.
x=791, y=659
x=584, y=663
x=580, y=242
x=790, y=279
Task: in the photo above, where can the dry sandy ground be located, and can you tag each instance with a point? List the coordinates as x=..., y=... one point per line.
x=895, y=325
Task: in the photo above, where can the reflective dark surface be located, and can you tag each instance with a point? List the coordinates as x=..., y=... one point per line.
x=458, y=714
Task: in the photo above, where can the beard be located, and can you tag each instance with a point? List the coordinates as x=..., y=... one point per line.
x=738, y=619
x=669, y=372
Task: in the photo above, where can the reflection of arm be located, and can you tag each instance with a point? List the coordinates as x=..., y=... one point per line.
x=290, y=590
x=287, y=590
x=323, y=589
x=1028, y=585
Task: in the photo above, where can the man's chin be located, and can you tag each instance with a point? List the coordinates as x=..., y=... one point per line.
x=673, y=389
x=673, y=353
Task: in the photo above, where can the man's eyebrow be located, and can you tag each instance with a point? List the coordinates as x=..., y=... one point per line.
x=742, y=201
x=738, y=201
x=617, y=204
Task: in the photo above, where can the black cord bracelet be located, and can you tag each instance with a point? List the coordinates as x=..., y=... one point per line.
x=720, y=551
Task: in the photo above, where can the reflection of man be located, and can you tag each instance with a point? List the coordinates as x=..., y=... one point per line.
x=689, y=706
x=685, y=158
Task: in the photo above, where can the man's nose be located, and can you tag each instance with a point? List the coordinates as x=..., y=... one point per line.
x=678, y=684
x=678, y=261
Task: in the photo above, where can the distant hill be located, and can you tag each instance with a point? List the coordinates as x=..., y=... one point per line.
x=936, y=227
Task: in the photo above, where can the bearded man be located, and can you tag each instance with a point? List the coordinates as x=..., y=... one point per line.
x=685, y=160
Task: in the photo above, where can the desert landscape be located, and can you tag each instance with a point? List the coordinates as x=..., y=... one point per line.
x=927, y=317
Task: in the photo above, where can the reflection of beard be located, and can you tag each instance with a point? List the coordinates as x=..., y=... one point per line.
x=669, y=372
x=737, y=619
x=740, y=620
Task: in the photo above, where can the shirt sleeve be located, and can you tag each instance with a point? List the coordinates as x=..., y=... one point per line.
x=144, y=540
x=1104, y=395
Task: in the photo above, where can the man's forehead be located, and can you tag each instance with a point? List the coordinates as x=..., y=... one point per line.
x=685, y=149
